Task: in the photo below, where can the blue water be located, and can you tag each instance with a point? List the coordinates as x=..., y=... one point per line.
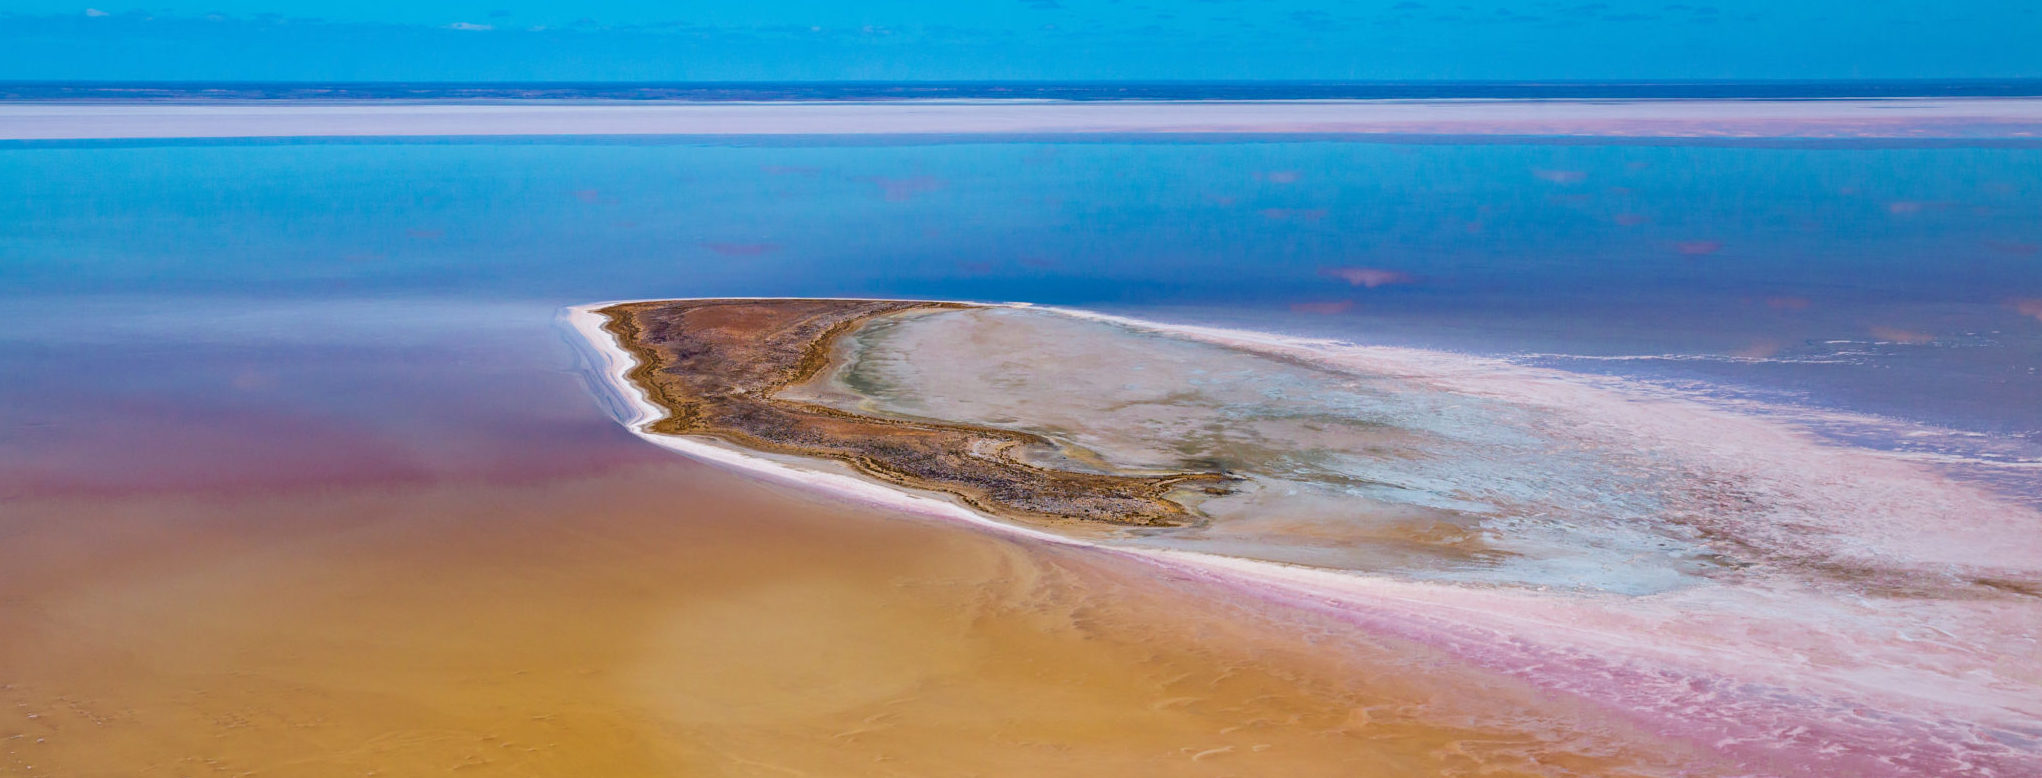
x=1886, y=280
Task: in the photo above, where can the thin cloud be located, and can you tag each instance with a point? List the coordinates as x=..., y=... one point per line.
x=1561, y=176
x=1370, y=277
x=1698, y=248
x=2029, y=306
x=1897, y=335
x=1323, y=308
x=1758, y=349
x=1911, y=207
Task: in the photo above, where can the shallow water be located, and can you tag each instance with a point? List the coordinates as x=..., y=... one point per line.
x=299, y=475
x=659, y=618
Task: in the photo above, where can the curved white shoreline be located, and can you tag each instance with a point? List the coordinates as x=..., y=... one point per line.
x=1659, y=660
x=616, y=364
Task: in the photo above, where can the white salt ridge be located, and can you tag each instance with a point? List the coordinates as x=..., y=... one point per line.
x=1899, y=118
x=1879, y=505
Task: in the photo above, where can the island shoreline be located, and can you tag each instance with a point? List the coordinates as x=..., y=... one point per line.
x=1539, y=639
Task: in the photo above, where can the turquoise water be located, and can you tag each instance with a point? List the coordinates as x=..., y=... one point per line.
x=311, y=319
x=391, y=301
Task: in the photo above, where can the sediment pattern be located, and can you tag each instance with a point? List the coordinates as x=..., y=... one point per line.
x=716, y=365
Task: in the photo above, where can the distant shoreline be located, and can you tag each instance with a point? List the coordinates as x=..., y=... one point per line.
x=1908, y=119
x=1079, y=91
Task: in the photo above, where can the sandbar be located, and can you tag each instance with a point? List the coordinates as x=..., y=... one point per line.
x=715, y=366
x=1728, y=667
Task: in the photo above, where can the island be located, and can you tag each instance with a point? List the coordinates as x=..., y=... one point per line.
x=716, y=367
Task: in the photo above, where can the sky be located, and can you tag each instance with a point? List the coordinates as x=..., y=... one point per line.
x=1040, y=40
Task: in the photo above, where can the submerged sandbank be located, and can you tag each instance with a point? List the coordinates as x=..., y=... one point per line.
x=1768, y=667
x=660, y=618
x=1901, y=118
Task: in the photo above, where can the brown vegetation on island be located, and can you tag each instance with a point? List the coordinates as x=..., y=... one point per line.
x=716, y=365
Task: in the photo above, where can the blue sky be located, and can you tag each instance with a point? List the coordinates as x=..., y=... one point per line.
x=1019, y=39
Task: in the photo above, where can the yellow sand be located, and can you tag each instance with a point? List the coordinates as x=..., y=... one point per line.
x=672, y=620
